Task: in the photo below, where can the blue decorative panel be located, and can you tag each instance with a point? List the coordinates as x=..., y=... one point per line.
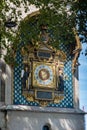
x=67, y=102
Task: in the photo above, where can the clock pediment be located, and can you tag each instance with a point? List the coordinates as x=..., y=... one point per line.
x=45, y=47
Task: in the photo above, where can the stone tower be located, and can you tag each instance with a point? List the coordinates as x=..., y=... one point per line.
x=41, y=92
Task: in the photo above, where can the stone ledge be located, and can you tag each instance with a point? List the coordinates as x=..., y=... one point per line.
x=41, y=109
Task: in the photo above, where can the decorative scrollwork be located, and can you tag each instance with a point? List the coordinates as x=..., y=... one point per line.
x=57, y=99
x=43, y=103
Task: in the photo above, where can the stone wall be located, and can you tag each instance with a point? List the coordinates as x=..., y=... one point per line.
x=34, y=118
x=2, y=121
x=36, y=121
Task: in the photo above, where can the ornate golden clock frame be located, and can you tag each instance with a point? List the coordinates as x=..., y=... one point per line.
x=44, y=63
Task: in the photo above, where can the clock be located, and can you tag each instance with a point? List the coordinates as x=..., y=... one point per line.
x=43, y=75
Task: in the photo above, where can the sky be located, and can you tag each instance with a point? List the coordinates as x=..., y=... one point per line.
x=83, y=82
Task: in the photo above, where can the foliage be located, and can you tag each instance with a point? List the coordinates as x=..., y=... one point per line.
x=61, y=16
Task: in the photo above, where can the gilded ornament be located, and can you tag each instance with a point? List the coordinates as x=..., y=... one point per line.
x=57, y=99
x=43, y=103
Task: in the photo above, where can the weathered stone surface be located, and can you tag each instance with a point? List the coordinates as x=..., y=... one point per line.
x=34, y=118
x=19, y=120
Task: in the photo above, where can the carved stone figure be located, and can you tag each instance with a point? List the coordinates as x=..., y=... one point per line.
x=25, y=77
x=61, y=80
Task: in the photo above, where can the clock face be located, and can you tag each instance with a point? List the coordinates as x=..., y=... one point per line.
x=43, y=74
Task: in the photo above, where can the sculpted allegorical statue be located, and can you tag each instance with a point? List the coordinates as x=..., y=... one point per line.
x=25, y=77
x=61, y=80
